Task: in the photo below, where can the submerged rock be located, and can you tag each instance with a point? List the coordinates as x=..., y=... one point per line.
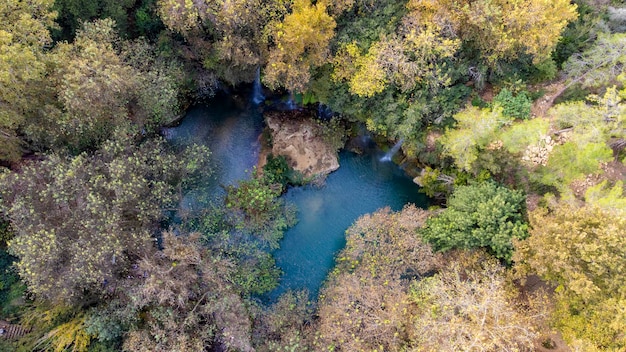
x=304, y=142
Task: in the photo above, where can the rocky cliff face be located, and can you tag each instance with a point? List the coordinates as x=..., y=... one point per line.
x=300, y=138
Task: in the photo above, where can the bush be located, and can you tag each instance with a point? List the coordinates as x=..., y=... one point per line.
x=517, y=106
x=256, y=209
x=479, y=215
x=277, y=171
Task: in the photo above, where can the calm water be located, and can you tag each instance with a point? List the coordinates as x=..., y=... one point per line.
x=230, y=129
x=362, y=185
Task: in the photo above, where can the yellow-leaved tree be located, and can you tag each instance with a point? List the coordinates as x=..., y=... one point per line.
x=182, y=16
x=302, y=41
x=471, y=306
x=23, y=36
x=582, y=250
x=414, y=55
x=500, y=29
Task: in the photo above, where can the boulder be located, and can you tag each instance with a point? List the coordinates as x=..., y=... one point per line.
x=299, y=137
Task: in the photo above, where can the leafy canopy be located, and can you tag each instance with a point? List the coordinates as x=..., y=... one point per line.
x=583, y=251
x=23, y=35
x=364, y=304
x=479, y=215
x=81, y=221
x=501, y=29
x=302, y=42
x=469, y=303
x=474, y=130
x=516, y=106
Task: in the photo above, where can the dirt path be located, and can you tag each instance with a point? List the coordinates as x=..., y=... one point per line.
x=552, y=91
x=540, y=106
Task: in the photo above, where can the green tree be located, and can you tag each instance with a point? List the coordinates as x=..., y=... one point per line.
x=479, y=215
x=572, y=161
x=23, y=37
x=180, y=16
x=599, y=120
x=364, y=73
x=521, y=134
x=11, y=289
x=606, y=197
x=475, y=129
x=245, y=29
x=592, y=128
x=600, y=64
x=177, y=298
x=72, y=13
x=81, y=221
x=579, y=34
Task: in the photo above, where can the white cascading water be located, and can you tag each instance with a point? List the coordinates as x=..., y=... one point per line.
x=392, y=151
x=257, y=89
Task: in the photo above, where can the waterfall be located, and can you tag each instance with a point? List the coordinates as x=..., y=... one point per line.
x=290, y=104
x=392, y=151
x=257, y=90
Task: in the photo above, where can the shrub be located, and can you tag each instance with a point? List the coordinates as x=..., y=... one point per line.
x=479, y=215
x=517, y=106
x=256, y=209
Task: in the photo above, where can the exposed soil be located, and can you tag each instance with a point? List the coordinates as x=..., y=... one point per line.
x=612, y=171
x=487, y=94
x=541, y=105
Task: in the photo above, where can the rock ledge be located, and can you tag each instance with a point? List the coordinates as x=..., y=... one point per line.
x=300, y=138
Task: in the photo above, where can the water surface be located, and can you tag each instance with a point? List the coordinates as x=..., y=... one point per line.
x=362, y=185
x=230, y=129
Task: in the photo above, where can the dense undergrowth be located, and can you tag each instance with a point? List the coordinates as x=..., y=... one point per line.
x=513, y=110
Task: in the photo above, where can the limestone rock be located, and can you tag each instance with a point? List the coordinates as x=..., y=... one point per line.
x=300, y=138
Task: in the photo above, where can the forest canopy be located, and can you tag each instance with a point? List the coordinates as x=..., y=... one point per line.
x=510, y=115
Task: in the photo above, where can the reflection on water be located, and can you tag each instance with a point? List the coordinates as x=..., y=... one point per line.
x=231, y=132
x=362, y=185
